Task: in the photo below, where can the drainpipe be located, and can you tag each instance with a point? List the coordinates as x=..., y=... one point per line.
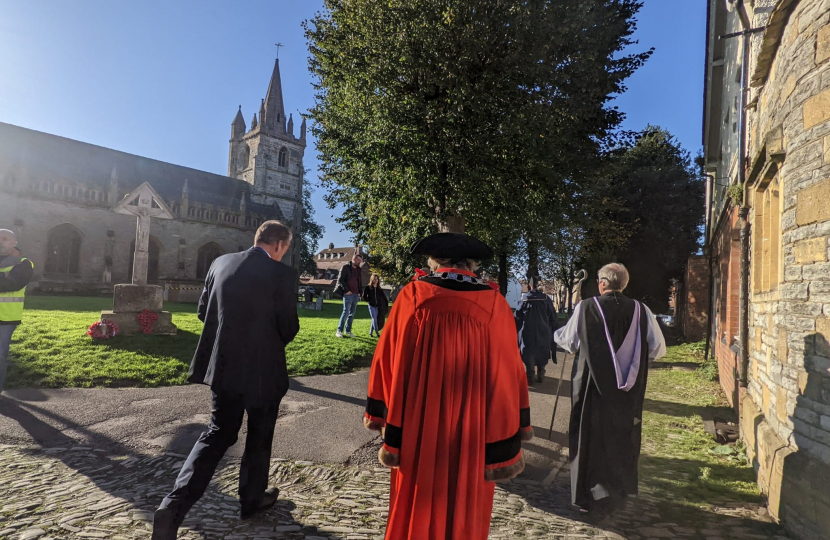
x=707, y=250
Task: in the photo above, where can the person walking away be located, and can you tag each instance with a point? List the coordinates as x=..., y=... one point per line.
x=349, y=284
x=616, y=338
x=535, y=324
x=249, y=310
x=378, y=304
x=448, y=392
x=15, y=274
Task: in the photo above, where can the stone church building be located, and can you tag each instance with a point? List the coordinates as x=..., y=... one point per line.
x=56, y=195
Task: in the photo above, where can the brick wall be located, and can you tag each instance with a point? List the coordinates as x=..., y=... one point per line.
x=695, y=298
x=726, y=251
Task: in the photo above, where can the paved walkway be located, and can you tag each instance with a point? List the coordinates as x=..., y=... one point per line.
x=95, y=463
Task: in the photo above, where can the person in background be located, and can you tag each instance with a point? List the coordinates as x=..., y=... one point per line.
x=15, y=274
x=349, y=284
x=448, y=392
x=535, y=324
x=378, y=304
x=616, y=337
x=249, y=307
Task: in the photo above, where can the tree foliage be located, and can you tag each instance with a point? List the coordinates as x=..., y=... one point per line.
x=662, y=196
x=473, y=114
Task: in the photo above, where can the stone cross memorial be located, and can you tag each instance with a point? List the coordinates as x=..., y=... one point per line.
x=137, y=307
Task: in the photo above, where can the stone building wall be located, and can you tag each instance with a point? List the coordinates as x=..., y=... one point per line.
x=785, y=414
x=106, y=234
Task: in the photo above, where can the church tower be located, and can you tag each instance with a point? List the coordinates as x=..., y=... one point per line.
x=269, y=156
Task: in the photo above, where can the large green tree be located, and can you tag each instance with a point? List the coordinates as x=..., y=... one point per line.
x=661, y=194
x=436, y=115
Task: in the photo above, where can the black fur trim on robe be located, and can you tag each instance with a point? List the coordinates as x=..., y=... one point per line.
x=505, y=473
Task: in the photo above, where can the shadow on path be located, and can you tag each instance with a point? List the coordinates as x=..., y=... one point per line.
x=297, y=386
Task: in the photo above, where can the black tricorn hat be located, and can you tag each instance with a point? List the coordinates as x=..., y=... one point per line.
x=454, y=246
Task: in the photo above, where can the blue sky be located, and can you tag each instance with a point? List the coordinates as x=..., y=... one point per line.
x=163, y=79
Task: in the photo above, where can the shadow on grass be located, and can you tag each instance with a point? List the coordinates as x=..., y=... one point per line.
x=684, y=410
x=180, y=348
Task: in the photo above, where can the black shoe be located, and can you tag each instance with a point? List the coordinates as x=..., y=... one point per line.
x=166, y=522
x=540, y=374
x=269, y=499
x=530, y=380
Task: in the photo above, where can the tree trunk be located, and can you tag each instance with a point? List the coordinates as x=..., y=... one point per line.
x=503, y=273
x=532, y=257
x=454, y=223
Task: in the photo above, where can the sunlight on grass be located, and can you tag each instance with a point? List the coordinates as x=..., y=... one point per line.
x=680, y=462
x=51, y=348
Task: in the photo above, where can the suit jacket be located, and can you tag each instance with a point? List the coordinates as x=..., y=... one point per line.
x=249, y=308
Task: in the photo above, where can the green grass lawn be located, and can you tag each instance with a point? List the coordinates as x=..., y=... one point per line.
x=51, y=349
x=681, y=464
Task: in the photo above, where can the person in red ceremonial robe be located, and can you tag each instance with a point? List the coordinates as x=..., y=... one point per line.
x=448, y=392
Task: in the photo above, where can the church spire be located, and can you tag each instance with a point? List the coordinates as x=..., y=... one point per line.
x=253, y=122
x=274, y=118
x=291, y=124
x=238, y=125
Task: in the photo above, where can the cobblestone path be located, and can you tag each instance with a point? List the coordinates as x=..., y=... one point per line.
x=80, y=493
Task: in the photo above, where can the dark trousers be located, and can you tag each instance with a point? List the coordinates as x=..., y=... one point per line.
x=225, y=421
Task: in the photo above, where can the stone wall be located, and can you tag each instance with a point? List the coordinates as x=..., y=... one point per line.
x=106, y=234
x=786, y=413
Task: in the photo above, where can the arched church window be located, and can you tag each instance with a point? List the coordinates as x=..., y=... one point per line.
x=207, y=254
x=154, y=254
x=246, y=160
x=283, y=157
x=63, y=250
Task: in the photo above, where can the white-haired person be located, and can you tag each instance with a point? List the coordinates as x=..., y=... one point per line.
x=616, y=337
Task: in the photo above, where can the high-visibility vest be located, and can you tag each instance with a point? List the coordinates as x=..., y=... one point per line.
x=11, y=303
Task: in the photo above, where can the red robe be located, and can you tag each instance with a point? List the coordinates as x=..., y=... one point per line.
x=449, y=390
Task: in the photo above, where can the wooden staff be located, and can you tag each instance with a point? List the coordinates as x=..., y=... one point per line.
x=577, y=292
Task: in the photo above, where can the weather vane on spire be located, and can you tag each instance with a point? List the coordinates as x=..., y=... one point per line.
x=278, y=45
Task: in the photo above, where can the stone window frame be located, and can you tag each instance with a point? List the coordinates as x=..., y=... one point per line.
x=282, y=159
x=205, y=255
x=766, y=248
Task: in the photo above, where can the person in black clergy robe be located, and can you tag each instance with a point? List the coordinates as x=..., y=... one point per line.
x=535, y=323
x=249, y=310
x=616, y=338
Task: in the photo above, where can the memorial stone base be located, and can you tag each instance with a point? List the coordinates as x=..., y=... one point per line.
x=129, y=301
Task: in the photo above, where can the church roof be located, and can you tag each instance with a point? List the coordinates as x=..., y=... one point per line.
x=30, y=154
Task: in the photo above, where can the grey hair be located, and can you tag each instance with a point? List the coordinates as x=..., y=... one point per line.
x=469, y=264
x=614, y=275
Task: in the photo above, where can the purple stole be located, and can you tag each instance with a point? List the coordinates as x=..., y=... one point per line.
x=627, y=358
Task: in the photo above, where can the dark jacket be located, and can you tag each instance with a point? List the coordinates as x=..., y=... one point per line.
x=535, y=324
x=249, y=308
x=344, y=277
x=376, y=298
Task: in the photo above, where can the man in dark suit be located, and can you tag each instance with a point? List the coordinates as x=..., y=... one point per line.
x=249, y=310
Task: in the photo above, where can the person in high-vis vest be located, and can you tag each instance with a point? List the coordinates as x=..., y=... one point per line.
x=15, y=273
